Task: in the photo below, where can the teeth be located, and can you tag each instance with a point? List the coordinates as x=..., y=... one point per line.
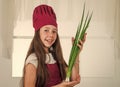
x=49, y=40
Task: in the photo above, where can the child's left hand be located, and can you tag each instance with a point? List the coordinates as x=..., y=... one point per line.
x=75, y=70
x=81, y=42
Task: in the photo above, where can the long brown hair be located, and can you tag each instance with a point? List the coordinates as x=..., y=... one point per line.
x=36, y=47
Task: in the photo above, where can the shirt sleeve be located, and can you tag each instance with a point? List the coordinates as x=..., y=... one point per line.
x=32, y=59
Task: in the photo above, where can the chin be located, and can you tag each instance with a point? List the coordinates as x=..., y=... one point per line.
x=47, y=46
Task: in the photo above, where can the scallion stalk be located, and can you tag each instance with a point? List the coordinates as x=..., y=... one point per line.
x=82, y=27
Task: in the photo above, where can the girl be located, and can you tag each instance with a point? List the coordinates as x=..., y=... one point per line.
x=44, y=64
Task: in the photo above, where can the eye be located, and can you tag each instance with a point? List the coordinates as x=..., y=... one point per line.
x=46, y=30
x=54, y=31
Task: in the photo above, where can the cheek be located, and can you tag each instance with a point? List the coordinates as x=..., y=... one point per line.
x=41, y=37
x=55, y=36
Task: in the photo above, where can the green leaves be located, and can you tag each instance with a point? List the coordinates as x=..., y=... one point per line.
x=82, y=27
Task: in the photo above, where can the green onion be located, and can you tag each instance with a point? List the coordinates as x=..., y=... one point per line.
x=82, y=27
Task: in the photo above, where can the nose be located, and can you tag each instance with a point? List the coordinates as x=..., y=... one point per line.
x=51, y=34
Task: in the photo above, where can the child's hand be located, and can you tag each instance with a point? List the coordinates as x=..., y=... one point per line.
x=68, y=84
x=81, y=42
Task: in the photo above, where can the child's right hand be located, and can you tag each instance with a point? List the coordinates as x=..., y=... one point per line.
x=68, y=84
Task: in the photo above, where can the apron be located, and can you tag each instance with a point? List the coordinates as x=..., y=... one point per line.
x=54, y=75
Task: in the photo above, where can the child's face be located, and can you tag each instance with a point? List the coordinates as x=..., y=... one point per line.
x=48, y=35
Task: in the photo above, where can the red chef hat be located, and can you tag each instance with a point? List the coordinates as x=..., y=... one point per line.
x=43, y=15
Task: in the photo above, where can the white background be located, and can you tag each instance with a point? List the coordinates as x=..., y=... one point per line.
x=99, y=60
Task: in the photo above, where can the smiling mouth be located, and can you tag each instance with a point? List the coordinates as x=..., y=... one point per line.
x=49, y=41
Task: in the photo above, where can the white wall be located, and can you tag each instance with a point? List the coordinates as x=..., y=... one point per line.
x=106, y=79
x=6, y=79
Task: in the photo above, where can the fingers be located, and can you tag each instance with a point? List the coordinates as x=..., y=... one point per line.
x=73, y=39
x=81, y=42
x=72, y=83
x=84, y=38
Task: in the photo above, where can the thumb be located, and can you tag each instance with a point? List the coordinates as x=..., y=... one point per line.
x=72, y=39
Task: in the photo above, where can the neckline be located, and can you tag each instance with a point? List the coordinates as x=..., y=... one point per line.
x=51, y=63
x=50, y=59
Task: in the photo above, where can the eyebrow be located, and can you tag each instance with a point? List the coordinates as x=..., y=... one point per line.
x=50, y=28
